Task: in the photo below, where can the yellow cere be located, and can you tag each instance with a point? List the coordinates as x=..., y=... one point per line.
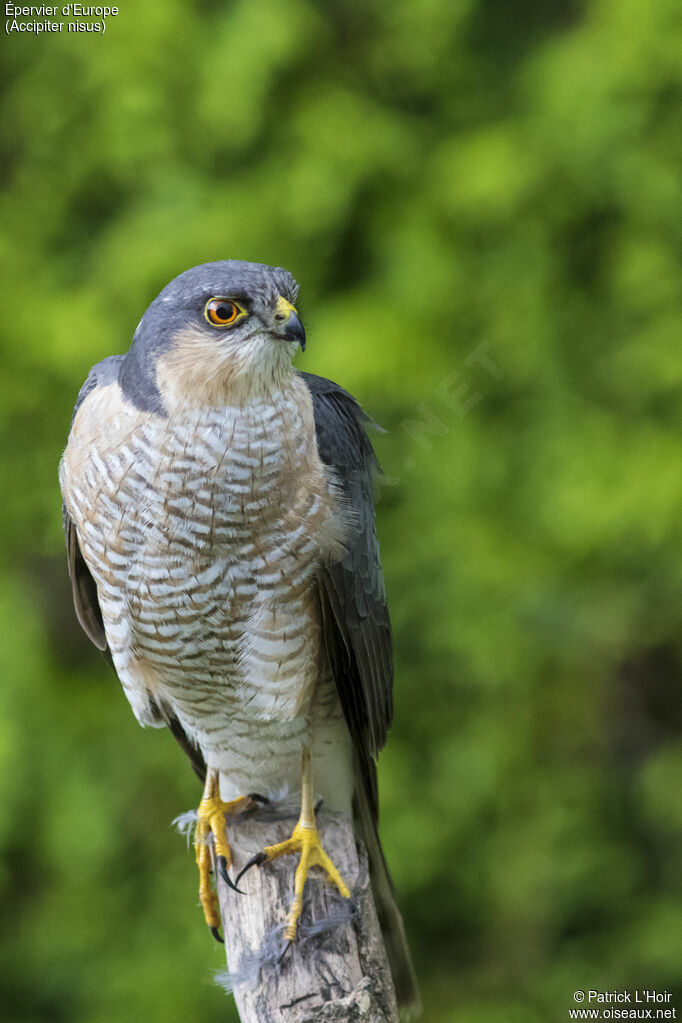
x=284, y=308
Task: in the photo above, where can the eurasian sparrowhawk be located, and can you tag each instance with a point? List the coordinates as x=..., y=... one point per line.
x=221, y=543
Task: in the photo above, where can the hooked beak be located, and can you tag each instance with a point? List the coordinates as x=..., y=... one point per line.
x=290, y=326
x=294, y=330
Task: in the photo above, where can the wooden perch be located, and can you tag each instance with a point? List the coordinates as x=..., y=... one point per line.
x=337, y=969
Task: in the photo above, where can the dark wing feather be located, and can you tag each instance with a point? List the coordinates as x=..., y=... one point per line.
x=357, y=634
x=356, y=625
x=84, y=587
x=165, y=714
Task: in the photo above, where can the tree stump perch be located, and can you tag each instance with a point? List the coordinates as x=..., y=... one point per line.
x=337, y=969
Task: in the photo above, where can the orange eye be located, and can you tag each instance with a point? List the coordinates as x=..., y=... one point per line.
x=222, y=312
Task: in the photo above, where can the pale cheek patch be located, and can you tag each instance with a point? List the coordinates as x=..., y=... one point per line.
x=206, y=370
x=195, y=367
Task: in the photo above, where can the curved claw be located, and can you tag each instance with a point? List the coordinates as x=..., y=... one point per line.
x=222, y=867
x=255, y=861
x=216, y=934
x=258, y=798
x=284, y=951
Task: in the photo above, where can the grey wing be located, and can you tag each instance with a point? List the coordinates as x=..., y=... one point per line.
x=356, y=624
x=357, y=634
x=84, y=587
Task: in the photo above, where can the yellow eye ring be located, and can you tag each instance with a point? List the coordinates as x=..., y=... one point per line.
x=223, y=312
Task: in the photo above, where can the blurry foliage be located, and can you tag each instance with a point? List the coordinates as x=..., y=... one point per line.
x=483, y=204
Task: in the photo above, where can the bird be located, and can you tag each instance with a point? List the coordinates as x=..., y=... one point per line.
x=222, y=550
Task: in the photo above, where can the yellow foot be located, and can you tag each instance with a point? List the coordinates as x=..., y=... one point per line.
x=306, y=841
x=211, y=824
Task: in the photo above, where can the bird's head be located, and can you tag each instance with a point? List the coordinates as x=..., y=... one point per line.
x=216, y=333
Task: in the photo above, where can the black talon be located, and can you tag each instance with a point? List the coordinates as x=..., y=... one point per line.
x=222, y=867
x=317, y=807
x=284, y=951
x=258, y=798
x=255, y=861
x=216, y=934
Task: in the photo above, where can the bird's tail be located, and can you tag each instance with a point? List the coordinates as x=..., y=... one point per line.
x=390, y=920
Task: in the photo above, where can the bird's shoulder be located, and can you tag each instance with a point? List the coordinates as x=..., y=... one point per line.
x=101, y=375
x=322, y=387
x=341, y=426
x=103, y=417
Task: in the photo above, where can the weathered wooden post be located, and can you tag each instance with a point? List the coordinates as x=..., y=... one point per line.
x=337, y=969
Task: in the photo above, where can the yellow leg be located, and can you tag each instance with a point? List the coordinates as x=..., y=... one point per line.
x=211, y=822
x=305, y=839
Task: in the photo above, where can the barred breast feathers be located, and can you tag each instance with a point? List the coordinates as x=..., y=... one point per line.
x=255, y=458
x=204, y=532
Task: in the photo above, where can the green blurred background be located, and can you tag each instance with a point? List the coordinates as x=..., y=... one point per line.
x=483, y=204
